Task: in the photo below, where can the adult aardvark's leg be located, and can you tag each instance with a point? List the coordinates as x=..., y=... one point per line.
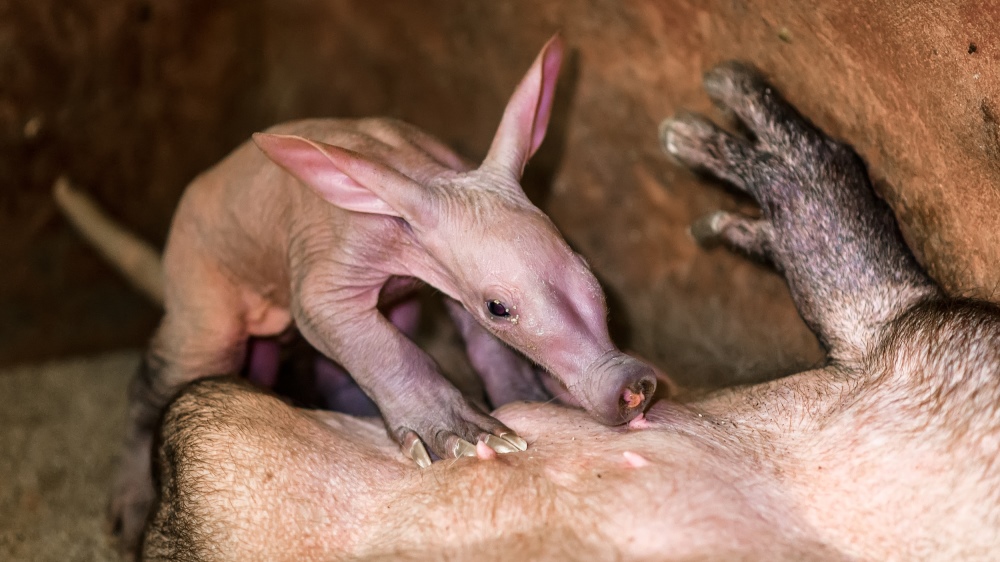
x=837, y=244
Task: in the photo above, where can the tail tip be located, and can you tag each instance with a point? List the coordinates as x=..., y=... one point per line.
x=62, y=188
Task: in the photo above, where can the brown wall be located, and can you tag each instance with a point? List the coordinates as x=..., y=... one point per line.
x=131, y=99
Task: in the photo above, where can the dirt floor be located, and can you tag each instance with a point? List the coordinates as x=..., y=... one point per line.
x=62, y=425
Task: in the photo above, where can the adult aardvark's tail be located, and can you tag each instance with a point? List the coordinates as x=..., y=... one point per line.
x=135, y=258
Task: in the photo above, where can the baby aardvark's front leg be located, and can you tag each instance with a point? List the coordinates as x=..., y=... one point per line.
x=421, y=408
x=507, y=375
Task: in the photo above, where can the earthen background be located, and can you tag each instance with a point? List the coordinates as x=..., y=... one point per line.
x=132, y=98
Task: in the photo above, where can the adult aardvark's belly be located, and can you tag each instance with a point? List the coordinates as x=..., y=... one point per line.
x=665, y=492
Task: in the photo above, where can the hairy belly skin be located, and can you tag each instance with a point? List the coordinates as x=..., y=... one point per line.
x=335, y=487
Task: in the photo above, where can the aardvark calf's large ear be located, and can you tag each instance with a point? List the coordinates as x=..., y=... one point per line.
x=527, y=115
x=345, y=178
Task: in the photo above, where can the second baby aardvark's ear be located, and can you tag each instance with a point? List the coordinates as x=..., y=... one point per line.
x=527, y=115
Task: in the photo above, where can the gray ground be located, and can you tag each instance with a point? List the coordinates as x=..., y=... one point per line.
x=60, y=428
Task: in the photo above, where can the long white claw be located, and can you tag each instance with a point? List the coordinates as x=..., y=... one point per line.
x=500, y=445
x=463, y=448
x=515, y=440
x=417, y=452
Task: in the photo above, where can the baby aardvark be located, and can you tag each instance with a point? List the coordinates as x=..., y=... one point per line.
x=324, y=223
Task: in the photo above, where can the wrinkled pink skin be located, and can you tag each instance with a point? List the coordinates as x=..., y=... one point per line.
x=889, y=452
x=321, y=222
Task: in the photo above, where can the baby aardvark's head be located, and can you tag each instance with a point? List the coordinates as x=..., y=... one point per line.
x=489, y=247
x=515, y=273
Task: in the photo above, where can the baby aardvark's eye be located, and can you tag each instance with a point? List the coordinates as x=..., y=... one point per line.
x=497, y=308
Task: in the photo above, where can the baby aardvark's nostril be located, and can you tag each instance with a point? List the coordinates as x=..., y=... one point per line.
x=637, y=393
x=632, y=399
x=615, y=388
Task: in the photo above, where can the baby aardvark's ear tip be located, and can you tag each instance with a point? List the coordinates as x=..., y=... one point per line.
x=526, y=117
x=269, y=140
x=266, y=141
x=552, y=54
x=554, y=42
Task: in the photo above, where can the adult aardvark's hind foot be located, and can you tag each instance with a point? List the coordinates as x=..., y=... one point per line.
x=821, y=224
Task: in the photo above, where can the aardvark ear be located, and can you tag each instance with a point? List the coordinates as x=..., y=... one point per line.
x=345, y=178
x=527, y=115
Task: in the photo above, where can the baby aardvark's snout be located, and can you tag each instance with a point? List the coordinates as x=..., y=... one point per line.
x=617, y=388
